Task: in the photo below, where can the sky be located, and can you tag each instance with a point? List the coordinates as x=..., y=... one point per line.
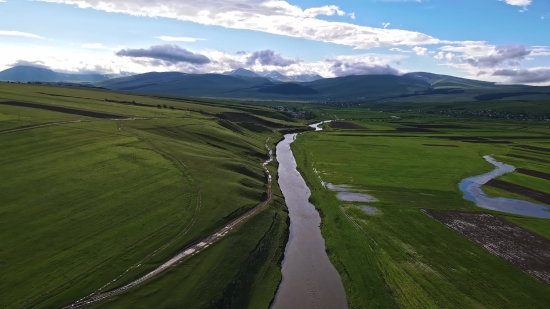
x=504, y=41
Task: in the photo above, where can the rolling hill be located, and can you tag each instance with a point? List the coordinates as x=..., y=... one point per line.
x=36, y=74
x=246, y=84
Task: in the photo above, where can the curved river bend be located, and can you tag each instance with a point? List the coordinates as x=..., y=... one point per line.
x=309, y=278
x=471, y=187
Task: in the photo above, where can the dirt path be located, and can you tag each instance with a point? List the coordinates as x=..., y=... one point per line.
x=187, y=252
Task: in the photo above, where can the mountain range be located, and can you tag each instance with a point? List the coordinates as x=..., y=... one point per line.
x=246, y=84
x=37, y=74
x=275, y=76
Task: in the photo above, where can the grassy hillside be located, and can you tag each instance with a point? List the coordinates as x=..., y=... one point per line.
x=89, y=199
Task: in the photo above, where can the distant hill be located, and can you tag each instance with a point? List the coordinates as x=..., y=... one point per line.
x=245, y=84
x=242, y=72
x=412, y=87
x=36, y=74
x=274, y=75
x=289, y=89
x=305, y=77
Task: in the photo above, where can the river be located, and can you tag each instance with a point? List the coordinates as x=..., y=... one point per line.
x=309, y=278
x=471, y=187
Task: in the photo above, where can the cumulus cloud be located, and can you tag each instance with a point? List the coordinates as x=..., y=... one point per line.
x=271, y=16
x=269, y=57
x=523, y=3
x=525, y=76
x=420, y=51
x=396, y=49
x=341, y=68
x=178, y=39
x=19, y=33
x=169, y=53
x=510, y=54
x=36, y=64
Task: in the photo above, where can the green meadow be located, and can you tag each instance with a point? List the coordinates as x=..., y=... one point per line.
x=91, y=204
x=401, y=257
x=85, y=201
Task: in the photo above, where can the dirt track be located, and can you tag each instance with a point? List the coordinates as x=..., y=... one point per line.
x=524, y=249
x=187, y=252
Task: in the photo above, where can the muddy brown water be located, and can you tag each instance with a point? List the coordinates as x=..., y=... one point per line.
x=309, y=278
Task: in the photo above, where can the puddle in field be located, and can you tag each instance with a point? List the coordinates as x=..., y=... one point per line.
x=346, y=196
x=355, y=197
x=370, y=210
x=471, y=187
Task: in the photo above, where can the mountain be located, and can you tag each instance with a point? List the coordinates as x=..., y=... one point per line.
x=36, y=74
x=305, y=77
x=274, y=75
x=242, y=72
x=175, y=83
x=411, y=87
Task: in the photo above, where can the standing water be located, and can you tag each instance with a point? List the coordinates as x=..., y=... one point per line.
x=471, y=187
x=309, y=279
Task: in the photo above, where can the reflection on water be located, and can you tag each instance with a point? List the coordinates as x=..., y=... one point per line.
x=355, y=197
x=309, y=279
x=316, y=125
x=369, y=210
x=471, y=187
x=346, y=196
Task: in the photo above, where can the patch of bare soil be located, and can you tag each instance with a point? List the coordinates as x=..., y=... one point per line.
x=528, y=158
x=542, y=197
x=244, y=117
x=534, y=148
x=533, y=173
x=65, y=110
x=526, y=250
x=345, y=125
x=435, y=126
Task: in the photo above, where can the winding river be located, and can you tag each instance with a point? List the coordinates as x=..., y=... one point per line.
x=309, y=278
x=471, y=187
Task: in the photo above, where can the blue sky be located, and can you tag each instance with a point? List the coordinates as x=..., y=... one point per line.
x=495, y=40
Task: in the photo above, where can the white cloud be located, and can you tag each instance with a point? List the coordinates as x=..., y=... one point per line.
x=19, y=33
x=352, y=15
x=271, y=16
x=396, y=49
x=178, y=39
x=537, y=76
x=420, y=51
x=518, y=2
x=385, y=25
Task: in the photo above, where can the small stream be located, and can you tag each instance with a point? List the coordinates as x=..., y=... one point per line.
x=309, y=278
x=471, y=187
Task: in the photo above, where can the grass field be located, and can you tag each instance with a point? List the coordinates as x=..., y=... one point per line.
x=91, y=200
x=401, y=257
x=87, y=199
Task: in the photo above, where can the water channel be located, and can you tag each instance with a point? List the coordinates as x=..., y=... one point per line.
x=471, y=187
x=309, y=278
